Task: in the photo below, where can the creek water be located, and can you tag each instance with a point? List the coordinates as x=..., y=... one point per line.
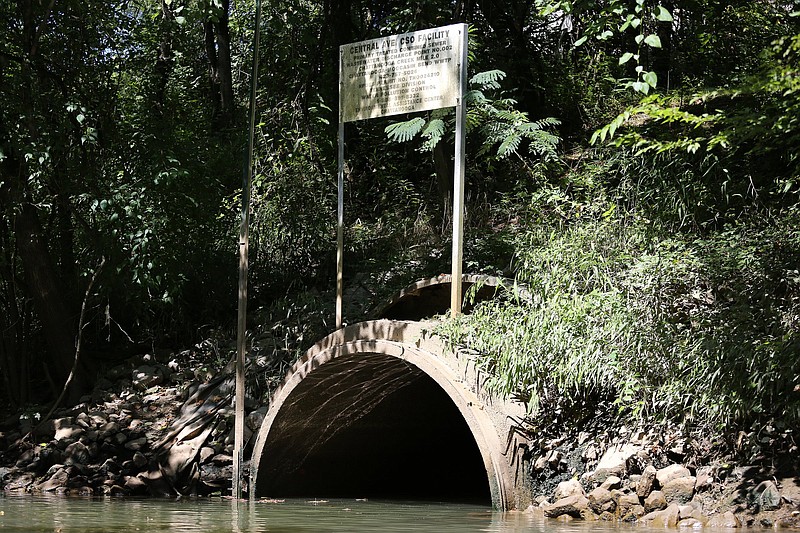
x=58, y=514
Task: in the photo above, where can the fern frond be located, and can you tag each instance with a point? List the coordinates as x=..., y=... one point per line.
x=509, y=145
x=475, y=97
x=404, y=131
x=433, y=133
x=488, y=79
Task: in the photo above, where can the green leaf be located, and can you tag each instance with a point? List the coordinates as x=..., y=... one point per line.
x=488, y=79
x=663, y=14
x=180, y=20
x=639, y=38
x=607, y=34
x=580, y=41
x=640, y=87
x=625, y=58
x=651, y=78
x=653, y=41
x=404, y=131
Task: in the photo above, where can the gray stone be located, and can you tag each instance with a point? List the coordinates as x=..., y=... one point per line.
x=107, y=429
x=614, y=462
x=601, y=500
x=645, y=484
x=568, y=488
x=147, y=376
x=626, y=504
x=674, y=471
x=572, y=506
x=139, y=460
x=67, y=431
x=136, y=444
x=655, y=501
x=256, y=418
x=679, y=490
x=57, y=480
x=611, y=482
x=83, y=420
x=766, y=496
x=690, y=523
x=76, y=453
x=660, y=519
x=540, y=463
x=206, y=452
x=725, y=520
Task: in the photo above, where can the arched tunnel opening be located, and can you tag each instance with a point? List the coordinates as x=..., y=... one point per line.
x=371, y=426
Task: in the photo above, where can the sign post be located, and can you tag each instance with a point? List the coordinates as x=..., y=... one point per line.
x=406, y=73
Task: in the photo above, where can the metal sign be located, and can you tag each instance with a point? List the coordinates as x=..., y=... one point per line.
x=405, y=73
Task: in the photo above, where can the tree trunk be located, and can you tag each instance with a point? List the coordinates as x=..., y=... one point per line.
x=51, y=307
x=218, y=52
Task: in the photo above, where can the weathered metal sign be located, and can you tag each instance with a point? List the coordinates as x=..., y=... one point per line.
x=404, y=73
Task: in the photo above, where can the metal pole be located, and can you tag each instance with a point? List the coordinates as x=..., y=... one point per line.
x=458, y=181
x=340, y=231
x=340, y=210
x=244, y=239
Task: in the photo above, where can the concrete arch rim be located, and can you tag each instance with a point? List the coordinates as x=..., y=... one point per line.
x=501, y=481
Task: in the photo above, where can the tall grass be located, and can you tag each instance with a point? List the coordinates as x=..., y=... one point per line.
x=646, y=309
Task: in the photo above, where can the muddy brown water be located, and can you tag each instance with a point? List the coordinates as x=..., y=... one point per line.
x=27, y=513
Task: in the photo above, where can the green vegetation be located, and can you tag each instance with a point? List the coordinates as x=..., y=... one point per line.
x=632, y=165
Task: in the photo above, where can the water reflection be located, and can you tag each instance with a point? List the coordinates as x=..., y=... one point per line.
x=57, y=514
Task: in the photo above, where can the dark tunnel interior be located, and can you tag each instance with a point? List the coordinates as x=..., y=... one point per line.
x=412, y=444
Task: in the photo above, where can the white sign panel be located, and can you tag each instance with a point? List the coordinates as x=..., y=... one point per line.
x=414, y=71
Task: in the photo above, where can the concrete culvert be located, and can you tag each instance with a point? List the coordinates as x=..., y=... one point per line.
x=372, y=426
x=380, y=410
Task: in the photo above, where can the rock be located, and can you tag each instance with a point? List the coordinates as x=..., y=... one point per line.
x=655, y=501
x=76, y=453
x=83, y=420
x=256, y=418
x=108, y=429
x=673, y=471
x=540, y=463
x=146, y=376
x=665, y=518
x=58, y=480
x=614, y=462
x=766, y=496
x=67, y=431
x=139, y=460
x=135, y=485
x=206, y=452
x=725, y=520
x=601, y=501
x=554, y=458
x=679, y=490
x=119, y=438
x=685, y=511
x=568, y=488
x=611, y=482
x=222, y=459
x=136, y=444
x=705, y=478
x=627, y=504
x=690, y=523
x=572, y=506
x=645, y=484
x=109, y=466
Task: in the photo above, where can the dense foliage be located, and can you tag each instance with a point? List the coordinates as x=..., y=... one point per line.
x=632, y=164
